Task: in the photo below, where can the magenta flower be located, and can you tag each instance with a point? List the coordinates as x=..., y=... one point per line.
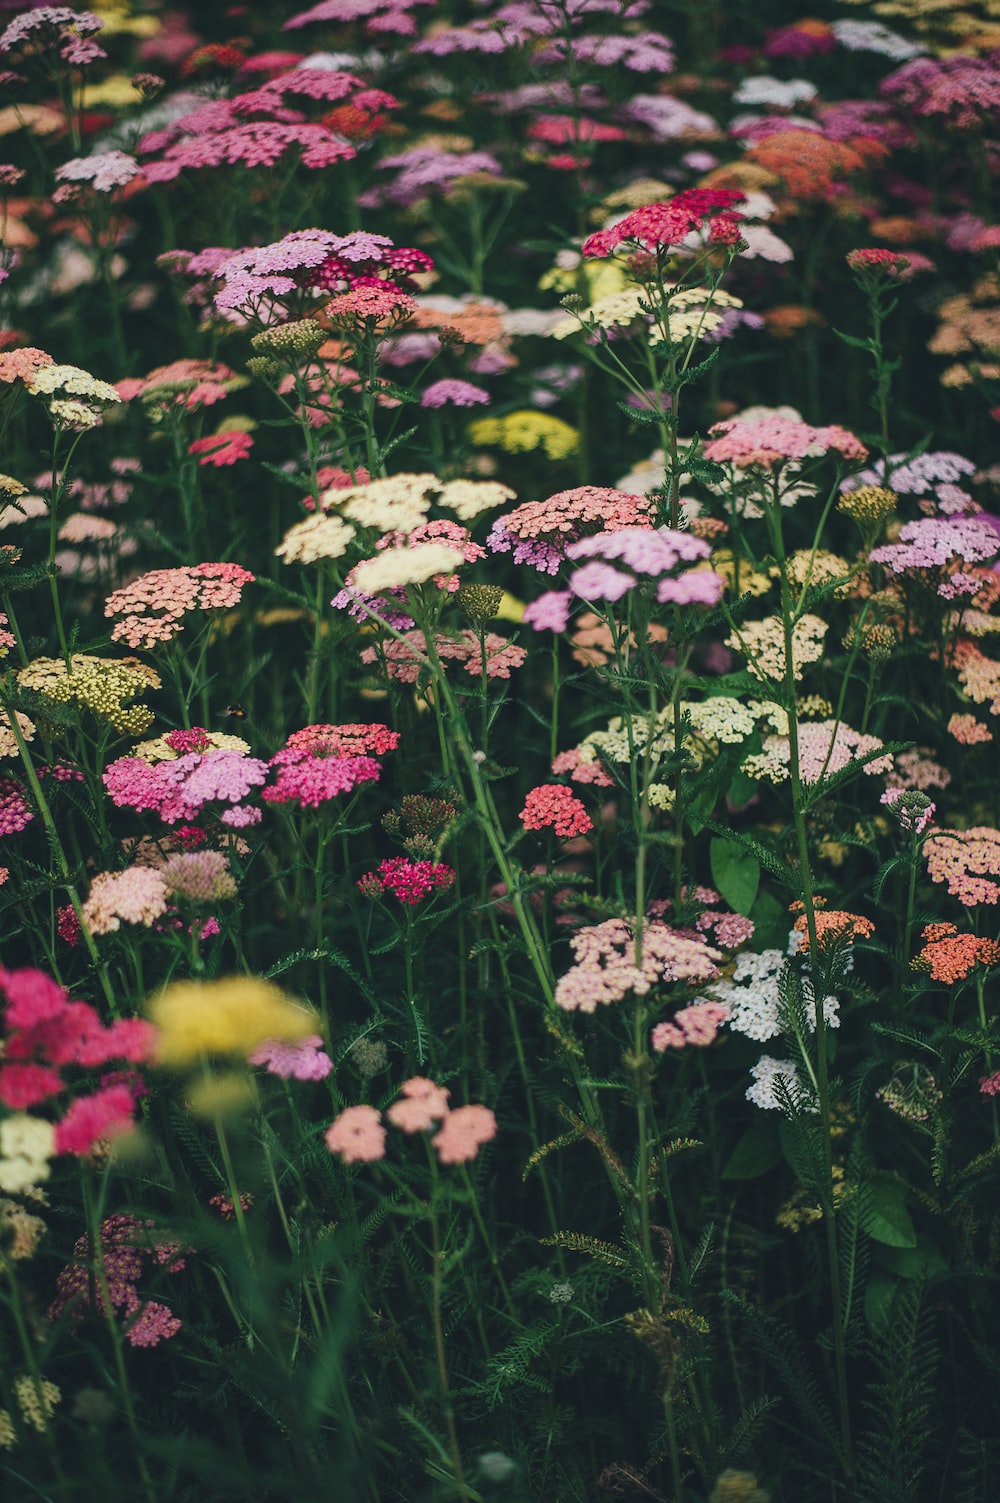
x=409, y=881
x=304, y=1060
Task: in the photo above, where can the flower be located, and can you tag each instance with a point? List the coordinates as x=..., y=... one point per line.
x=762, y=643
x=303, y=1060
x=463, y=1132
x=409, y=881
x=122, y=1244
x=552, y=806
x=423, y=1103
x=656, y=226
x=395, y=568
x=150, y=607
x=767, y=442
x=309, y=778
x=136, y=895
x=104, y=171
x=357, y=1135
x=965, y=860
x=949, y=956
x=698, y=1024
x=448, y=393
x=222, y=448
x=778, y=1086
x=606, y=970
x=231, y=1015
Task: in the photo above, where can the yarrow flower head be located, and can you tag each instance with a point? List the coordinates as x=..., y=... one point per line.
x=553, y=806
x=149, y=610
x=409, y=881
x=606, y=969
x=769, y=442
x=231, y=1015
x=124, y=1243
x=658, y=226
x=968, y=861
x=303, y=1060
x=950, y=956
x=538, y=533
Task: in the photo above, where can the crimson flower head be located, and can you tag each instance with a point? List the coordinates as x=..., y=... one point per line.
x=875, y=267
x=654, y=226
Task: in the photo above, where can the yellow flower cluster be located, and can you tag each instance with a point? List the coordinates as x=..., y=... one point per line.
x=159, y=750
x=762, y=643
x=596, y=279
x=8, y=743
x=395, y=568
x=318, y=536
x=468, y=499
x=738, y=576
x=73, y=396
x=398, y=503
x=26, y=1145
x=37, y=1399
x=523, y=431
x=101, y=685
x=869, y=505
x=20, y=1233
x=229, y=1016
x=820, y=567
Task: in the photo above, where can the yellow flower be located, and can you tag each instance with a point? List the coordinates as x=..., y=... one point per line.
x=520, y=432
x=229, y=1016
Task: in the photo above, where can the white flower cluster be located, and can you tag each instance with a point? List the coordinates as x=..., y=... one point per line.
x=767, y=1072
x=753, y=996
x=26, y=1145
x=872, y=36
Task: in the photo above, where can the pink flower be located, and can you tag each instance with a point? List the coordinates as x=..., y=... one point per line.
x=15, y=811
x=989, y=1085
x=553, y=806
x=105, y=1114
x=462, y=1133
x=423, y=1103
x=769, y=441
x=222, y=448
x=968, y=731
x=357, y=1135
x=448, y=393
x=304, y=1060
x=409, y=881
x=311, y=780
x=24, y=1085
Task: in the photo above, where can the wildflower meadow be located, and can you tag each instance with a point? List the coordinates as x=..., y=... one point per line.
x=499, y=794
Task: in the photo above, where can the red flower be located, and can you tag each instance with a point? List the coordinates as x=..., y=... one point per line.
x=222, y=448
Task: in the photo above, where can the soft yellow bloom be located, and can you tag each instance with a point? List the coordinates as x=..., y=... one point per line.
x=229, y=1016
x=521, y=432
x=395, y=568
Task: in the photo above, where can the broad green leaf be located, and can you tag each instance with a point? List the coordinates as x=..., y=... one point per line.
x=735, y=872
x=758, y=1150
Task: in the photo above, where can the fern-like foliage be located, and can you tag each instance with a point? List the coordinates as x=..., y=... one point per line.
x=891, y=1453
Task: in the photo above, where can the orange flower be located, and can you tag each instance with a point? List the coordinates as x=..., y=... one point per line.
x=950, y=956
x=832, y=925
x=810, y=166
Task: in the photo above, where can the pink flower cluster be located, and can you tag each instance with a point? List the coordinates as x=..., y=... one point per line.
x=966, y=860
x=150, y=608
x=124, y=1243
x=357, y=1135
x=404, y=659
x=552, y=806
x=538, y=532
x=189, y=384
x=656, y=226
x=618, y=560
x=320, y=762
x=137, y=895
x=15, y=811
x=304, y=1060
x=935, y=542
x=181, y=789
x=606, y=971
x=968, y=731
x=770, y=441
x=44, y=1031
x=409, y=881
x=698, y=1024
x=220, y=449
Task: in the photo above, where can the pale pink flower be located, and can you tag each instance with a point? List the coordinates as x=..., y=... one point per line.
x=423, y=1103
x=357, y=1135
x=463, y=1132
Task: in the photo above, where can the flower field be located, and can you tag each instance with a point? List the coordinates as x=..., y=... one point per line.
x=499, y=794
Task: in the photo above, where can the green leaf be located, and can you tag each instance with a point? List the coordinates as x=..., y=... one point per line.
x=855, y=344
x=888, y=1219
x=879, y=1297
x=735, y=872
x=921, y=1262
x=758, y=1150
